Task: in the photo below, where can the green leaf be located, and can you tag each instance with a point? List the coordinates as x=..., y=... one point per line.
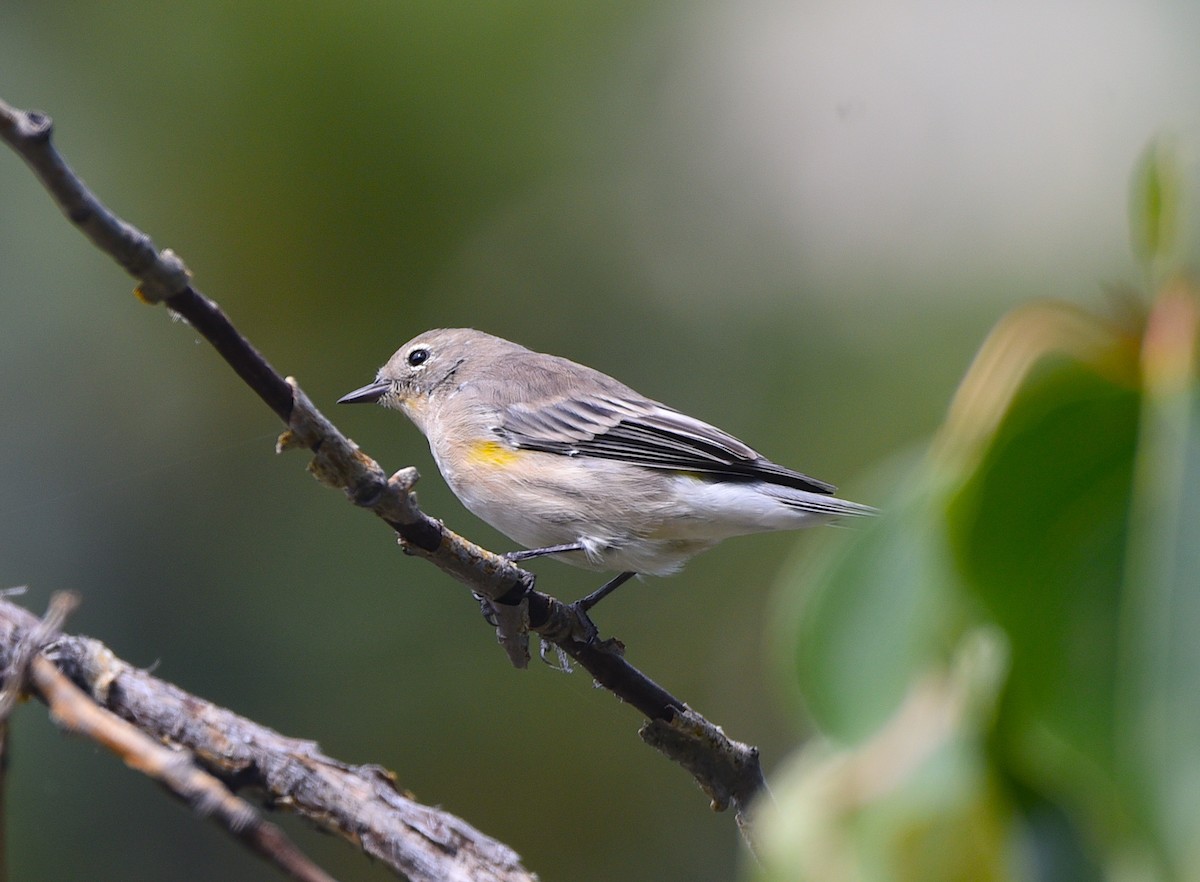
x=1159, y=713
x=1040, y=532
x=878, y=608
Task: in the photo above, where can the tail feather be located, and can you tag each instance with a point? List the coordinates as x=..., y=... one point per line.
x=819, y=503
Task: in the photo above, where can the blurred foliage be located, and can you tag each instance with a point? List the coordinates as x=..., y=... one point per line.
x=1154, y=204
x=1004, y=666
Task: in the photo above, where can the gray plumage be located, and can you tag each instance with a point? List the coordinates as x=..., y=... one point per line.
x=552, y=452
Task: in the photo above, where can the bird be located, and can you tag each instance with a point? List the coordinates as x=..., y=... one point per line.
x=570, y=462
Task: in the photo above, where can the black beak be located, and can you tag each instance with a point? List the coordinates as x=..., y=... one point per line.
x=368, y=394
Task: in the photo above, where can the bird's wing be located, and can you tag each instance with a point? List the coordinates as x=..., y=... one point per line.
x=645, y=433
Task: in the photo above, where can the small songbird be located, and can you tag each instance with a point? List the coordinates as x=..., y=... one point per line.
x=567, y=461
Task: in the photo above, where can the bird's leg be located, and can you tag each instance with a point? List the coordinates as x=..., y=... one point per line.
x=530, y=553
x=586, y=603
x=580, y=607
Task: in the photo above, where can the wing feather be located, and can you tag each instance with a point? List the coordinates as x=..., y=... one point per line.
x=645, y=433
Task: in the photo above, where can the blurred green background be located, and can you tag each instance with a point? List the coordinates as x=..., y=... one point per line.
x=795, y=220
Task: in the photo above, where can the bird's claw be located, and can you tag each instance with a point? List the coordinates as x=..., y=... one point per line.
x=588, y=627
x=486, y=608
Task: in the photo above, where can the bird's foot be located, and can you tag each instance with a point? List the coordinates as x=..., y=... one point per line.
x=589, y=630
x=486, y=607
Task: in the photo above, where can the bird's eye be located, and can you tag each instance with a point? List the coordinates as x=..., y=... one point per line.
x=418, y=356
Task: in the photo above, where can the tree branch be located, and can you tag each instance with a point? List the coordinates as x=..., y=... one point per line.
x=338, y=462
x=204, y=794
x=135, y=714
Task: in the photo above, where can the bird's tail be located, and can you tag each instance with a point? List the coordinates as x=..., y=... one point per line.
x=818, y=503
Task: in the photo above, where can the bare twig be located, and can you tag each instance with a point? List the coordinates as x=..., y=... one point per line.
x=74, y=711
x=338, y=462
x=15, y=676
x=728, y=770
x=16, y=672
x=135, y=714
x=27, y=668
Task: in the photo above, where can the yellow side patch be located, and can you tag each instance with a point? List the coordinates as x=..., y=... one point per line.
x=492, y=453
